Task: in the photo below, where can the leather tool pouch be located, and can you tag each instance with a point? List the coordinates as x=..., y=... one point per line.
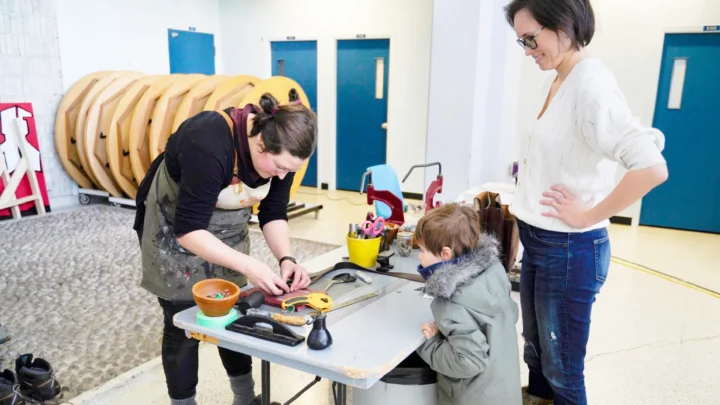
x=496, y=220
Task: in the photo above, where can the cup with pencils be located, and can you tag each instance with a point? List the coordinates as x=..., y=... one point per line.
x=365, y=241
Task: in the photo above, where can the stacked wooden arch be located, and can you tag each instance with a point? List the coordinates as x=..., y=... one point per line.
x=111, y=124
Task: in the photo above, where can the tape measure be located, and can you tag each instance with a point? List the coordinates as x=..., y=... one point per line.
x=318, y=301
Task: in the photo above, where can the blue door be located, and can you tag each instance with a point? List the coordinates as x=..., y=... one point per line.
x=362, y=83
x=687, y=113
x=191, y=52
x=298, y=61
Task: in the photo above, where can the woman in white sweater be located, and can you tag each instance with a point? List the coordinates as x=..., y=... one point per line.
x=567, y=192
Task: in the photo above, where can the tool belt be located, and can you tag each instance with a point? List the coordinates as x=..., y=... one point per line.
x=496, y=220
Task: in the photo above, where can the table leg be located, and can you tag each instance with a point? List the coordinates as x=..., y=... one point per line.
x=340, y=394
x=265, y=377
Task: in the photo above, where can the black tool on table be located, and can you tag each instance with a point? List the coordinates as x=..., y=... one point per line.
x=383, y=241
x=383, y=260
x=339, y=279
x=319, y=337
x=252, y=300
x=248, y=325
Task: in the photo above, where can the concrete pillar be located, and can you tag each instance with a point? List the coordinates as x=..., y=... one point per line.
x=474, y=85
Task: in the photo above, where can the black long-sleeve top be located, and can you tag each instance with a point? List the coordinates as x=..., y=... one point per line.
x=200, y=156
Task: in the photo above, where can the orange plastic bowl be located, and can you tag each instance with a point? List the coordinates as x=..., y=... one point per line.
x=215, y=306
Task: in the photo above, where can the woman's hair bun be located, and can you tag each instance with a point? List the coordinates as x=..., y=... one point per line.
x=291, y=127
x=268, y=103
x=293, y=95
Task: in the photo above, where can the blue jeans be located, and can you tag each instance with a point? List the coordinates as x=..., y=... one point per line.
x=561, y=274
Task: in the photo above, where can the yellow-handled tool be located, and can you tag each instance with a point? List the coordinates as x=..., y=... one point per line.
x=318, y=301
x=286, y=319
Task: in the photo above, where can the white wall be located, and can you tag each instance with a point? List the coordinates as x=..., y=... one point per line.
x=30, y=72
x=453, y=69
x=473, y=95
x=248, y=26
x=99, y=34
x=629, y=40
x=496, y=98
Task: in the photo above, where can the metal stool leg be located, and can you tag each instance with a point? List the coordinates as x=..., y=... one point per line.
x=265, y=376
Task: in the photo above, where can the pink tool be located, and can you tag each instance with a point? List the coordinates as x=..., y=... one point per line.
x=373, y=228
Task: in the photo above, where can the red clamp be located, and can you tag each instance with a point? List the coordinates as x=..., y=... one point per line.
x=397, y=215
x=434, y=188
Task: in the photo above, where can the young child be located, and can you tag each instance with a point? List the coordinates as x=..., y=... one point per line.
x=473, y=343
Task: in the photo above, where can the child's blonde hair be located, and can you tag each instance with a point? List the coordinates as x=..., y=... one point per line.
x=451, y=225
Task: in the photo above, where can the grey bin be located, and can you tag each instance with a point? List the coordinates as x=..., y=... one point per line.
x=411, y=382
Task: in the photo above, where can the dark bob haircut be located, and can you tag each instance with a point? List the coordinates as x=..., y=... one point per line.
x=573, y=17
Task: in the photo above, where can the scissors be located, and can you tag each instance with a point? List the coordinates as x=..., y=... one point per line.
x=340, y=278
x=373, y=228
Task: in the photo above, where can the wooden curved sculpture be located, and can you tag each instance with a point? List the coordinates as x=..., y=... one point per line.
x=97, y=127
x=141, y=123
x=231, y=93
x=165, y=111
x=118, y=137
x=81, y=120
x=65, y=127
x=195, y=100
x=279, y=87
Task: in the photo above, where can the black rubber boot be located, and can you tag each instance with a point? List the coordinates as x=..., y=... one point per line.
x=10, y=389
x=37, y=378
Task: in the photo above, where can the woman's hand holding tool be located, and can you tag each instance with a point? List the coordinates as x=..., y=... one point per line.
x=298, y=274
x=261, y=276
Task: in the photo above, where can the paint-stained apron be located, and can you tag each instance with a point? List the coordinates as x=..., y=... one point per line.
x=169, y=270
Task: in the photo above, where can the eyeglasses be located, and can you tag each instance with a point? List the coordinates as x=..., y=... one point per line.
x=529, y=41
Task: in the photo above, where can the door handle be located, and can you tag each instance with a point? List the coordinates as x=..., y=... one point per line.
x=384, y=125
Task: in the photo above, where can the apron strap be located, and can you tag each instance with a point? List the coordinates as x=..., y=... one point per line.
x=227, y=119
x=235, y=169
x=232, y=130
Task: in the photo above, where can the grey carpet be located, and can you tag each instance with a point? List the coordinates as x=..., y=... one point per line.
x=69, y=293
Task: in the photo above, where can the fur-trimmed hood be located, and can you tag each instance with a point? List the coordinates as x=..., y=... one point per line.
x=450, y=277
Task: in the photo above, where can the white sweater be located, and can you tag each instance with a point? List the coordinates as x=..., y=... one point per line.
x=585, y=132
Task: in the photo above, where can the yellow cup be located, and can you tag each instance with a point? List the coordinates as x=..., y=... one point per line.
x=363, y=252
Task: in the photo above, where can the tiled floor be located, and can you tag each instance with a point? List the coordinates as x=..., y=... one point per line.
x=653, y=341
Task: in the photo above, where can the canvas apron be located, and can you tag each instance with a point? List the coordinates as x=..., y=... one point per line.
x=169, y=270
